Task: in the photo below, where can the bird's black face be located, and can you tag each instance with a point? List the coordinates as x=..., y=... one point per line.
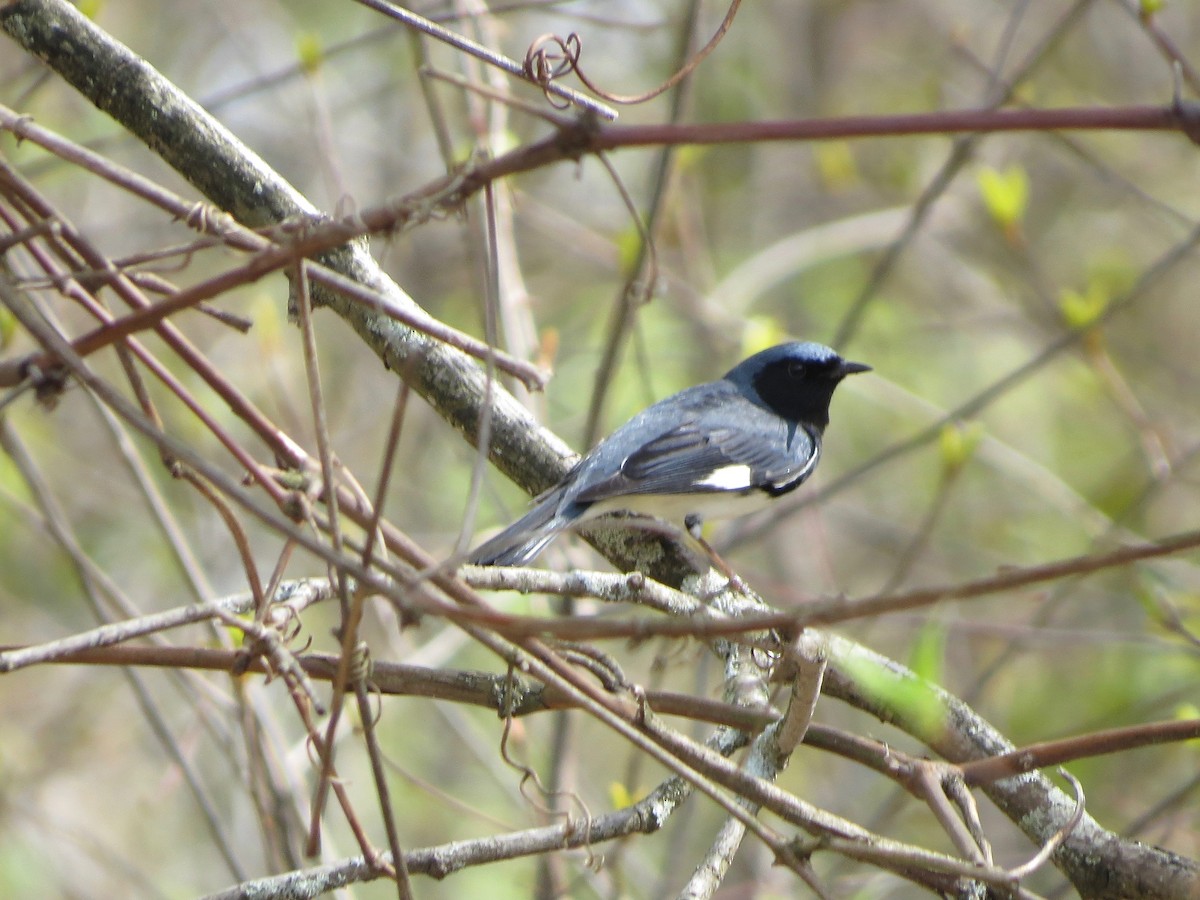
x=799, y=387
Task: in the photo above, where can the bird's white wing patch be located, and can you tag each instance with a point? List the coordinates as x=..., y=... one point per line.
x=728, y=478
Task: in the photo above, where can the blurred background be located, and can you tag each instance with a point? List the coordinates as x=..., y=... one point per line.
x=1028, y=302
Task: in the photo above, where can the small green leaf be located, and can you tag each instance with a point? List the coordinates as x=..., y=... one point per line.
x=8, y=327
x=620, y=796
x=238, y=635
x=913, y=698
x=90, y=8
x=959, y=442
x=1148, y=8
x=760, y=332
x=629, y=249
x=1082, y=309
x=836, y=164
x=689, y=157
x=309, y=51
x=1005, y=194
x=1186, y=712
x=929, y=652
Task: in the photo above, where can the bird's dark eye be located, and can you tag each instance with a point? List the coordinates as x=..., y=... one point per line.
x=796, y=370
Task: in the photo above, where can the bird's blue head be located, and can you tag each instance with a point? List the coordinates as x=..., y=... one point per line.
x=795, y=380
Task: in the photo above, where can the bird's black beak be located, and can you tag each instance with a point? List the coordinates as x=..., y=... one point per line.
x=852, y=368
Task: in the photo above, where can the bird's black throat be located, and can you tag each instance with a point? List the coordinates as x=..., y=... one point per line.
x=798, y=396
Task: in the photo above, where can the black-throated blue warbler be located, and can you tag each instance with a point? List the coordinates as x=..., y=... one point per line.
x=720, y=449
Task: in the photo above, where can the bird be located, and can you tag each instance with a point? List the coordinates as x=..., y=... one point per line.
x=720, y=449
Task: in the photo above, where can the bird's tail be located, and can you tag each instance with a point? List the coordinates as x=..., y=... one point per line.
x=522, y=541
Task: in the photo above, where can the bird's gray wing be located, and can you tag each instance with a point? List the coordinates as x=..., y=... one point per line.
x=691, y=458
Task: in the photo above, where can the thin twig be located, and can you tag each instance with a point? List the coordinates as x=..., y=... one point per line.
x=297, y=595
x=1083, y=746
x=491, y=57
